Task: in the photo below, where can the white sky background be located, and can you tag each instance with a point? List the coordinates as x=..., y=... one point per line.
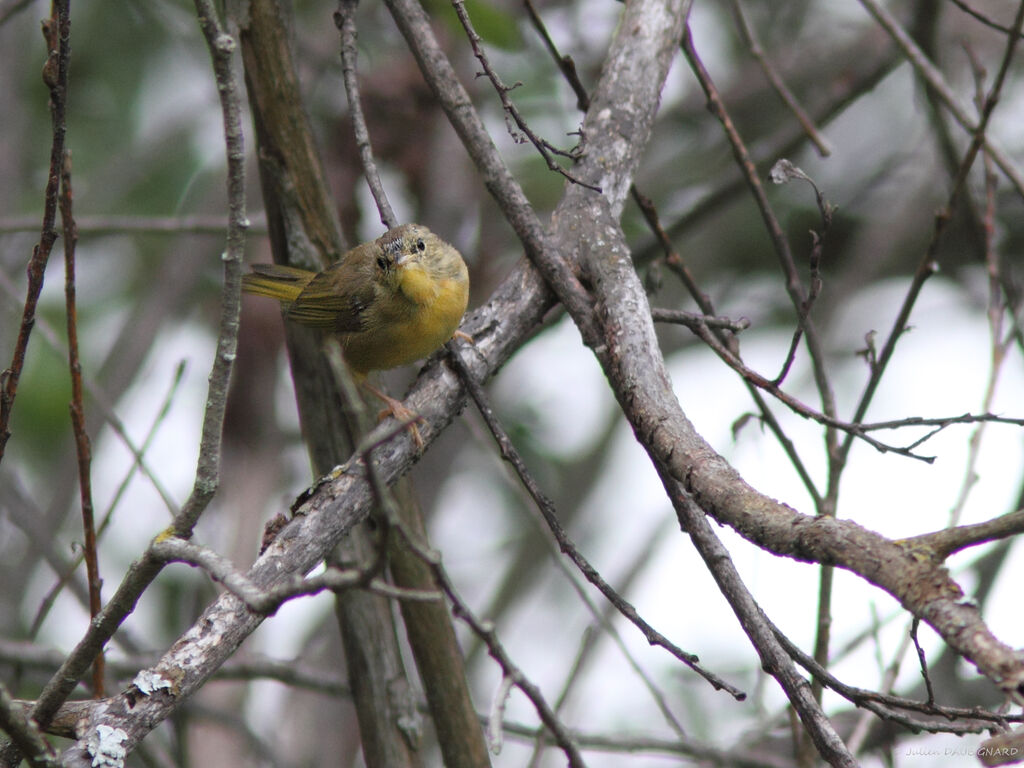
x=940, y=369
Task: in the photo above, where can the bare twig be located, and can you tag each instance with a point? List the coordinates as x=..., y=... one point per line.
x=988, y=22
x=787, y=96
x=57, y=32
x=782, y=172
x=543, y=147
x=922, y=659
x=565, y=63
x=345, y=21
x=928, y=264
x=694, y=321
x=793, y=284
x=197, y=224
x=485, y=631
x=774, y=659
x=145, y=569
x=24, y=733
x=547, y=510
x=83, y=448
x=972, y=719
x=756, y=379
x=266, y=600
x=935, y=80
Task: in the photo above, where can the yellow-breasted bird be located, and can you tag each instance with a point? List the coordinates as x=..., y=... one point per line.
x=390, y=302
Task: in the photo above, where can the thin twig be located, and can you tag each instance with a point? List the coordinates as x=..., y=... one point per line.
x=57, y=32
x=825, y=504
x=996, y=309
x=806, y=123
x=144, y=570
x=935, y=80
x=693, y=320
x=793, y=284
x=542, y=146
x=781, y=173
x=672, y=258
x=988, y=22
x=565, y=63
x=547, y=510
x=884, y=705
x=761, y=382
x=774, y=659
x=923, y=661
x=267, y=601
x=222, y=46
x=196, y=224
x=485, y=631
x=928, y=264
x=83, y=448
x=345, y=21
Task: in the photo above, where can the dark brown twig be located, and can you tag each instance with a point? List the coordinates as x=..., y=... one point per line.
x=565, y=63
x=794, y=286
x=761, y=382
x=565, y=544
x=83, y=448
x=884, y=705
x=542, y=146
x=922, y=660
x=928, y=264
x=988, y=22
x=486, y=632
x=782, y=172
x=774, y=659
x=57, y=32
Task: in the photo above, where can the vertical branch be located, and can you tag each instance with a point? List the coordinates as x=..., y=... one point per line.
x=345, y=21
x=301, y=215
x=428, y=627
x=144, y=570
x=57, y=32
x=221, y=46
x=82, y=446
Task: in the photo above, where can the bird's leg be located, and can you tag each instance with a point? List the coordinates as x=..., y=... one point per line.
x=399, y=411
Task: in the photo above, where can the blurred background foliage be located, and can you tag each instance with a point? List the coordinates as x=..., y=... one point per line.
x=146, y=137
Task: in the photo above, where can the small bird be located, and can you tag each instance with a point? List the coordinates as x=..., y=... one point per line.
x=390, y=302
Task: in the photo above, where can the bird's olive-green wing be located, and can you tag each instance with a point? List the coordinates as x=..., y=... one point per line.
x=336, y=298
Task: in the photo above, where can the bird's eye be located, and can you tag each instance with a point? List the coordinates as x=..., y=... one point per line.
x=382, y=263
x=421, y=246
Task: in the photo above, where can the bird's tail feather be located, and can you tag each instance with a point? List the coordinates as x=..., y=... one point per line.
x=276, y=281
